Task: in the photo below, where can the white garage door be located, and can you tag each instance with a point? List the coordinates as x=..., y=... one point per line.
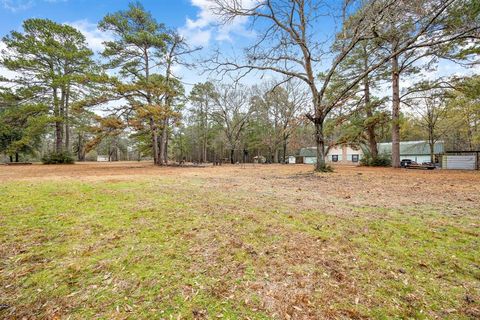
x=459, y=162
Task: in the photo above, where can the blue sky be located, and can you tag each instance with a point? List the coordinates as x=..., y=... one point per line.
x=13, y=12
x=190, y=17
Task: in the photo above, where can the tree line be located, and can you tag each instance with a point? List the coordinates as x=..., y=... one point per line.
x=128, y=102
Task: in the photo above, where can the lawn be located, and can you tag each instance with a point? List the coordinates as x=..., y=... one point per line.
x=134, y=241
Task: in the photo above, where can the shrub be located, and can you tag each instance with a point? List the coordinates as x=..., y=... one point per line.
x=58, y=158
x=383, y=160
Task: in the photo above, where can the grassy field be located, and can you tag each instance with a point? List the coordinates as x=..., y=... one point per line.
x=133, y=241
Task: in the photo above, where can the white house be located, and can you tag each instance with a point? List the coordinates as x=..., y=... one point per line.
x=343, y=154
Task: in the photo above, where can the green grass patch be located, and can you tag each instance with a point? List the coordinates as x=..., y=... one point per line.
x=156, y=248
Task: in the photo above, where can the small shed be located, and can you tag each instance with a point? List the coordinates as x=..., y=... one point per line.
x=102, y=158
x=418, y=151
x=291, y=159
x=461, y=160
x=464, y=162
x=307, y=155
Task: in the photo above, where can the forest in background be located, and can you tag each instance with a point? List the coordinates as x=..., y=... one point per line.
x=66, y=103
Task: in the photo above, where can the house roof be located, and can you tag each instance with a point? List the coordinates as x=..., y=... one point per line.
x=411, y=148
x=312, y=151
x=308, y=152
x=406, y=148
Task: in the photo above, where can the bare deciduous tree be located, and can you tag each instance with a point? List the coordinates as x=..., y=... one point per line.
x=432, y=111
x=279, y=107
x=398, y=26
x=176, y=52
x=232, y=111
x=202, y=98
x=289, y=43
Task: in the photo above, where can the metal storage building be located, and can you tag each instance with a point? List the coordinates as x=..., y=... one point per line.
x=418, y=151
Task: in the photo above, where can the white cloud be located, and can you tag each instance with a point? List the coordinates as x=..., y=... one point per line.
x=207, y=25
x=94, y=37
x=197, y=37
x=19, y=5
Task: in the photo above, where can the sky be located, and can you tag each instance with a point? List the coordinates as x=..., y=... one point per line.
x=13, y=12
x=191, y=18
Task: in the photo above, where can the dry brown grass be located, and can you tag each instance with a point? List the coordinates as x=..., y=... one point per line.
x=264, y=241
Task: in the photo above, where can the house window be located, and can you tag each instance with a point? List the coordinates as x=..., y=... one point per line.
x=355, y=157
x=335, y=158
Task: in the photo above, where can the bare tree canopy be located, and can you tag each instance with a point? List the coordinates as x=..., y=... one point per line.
x=312, y=72
x=289, y=43
x=232, y=110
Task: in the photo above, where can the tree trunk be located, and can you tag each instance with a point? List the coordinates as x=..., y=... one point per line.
x=67, y=122
x=165, y=148
x=372, y=138
x=284, y=150
x=395, y=113
x=432, y=151
x=232, y=154
x=204, y=153
x=168, y=100
x=16, y=156
x=153, y=129
x=58, y=123
x=163, y=144
x=79, y=147
x=320, y=142
x=58, y=135
x=431, y=142
x=275, y=155
x=11, y=158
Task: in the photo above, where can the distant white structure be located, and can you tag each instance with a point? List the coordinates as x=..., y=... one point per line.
x=102, y=158
x=259, y=159
x=462, y=162
x=418, y=151
x=343, y=154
